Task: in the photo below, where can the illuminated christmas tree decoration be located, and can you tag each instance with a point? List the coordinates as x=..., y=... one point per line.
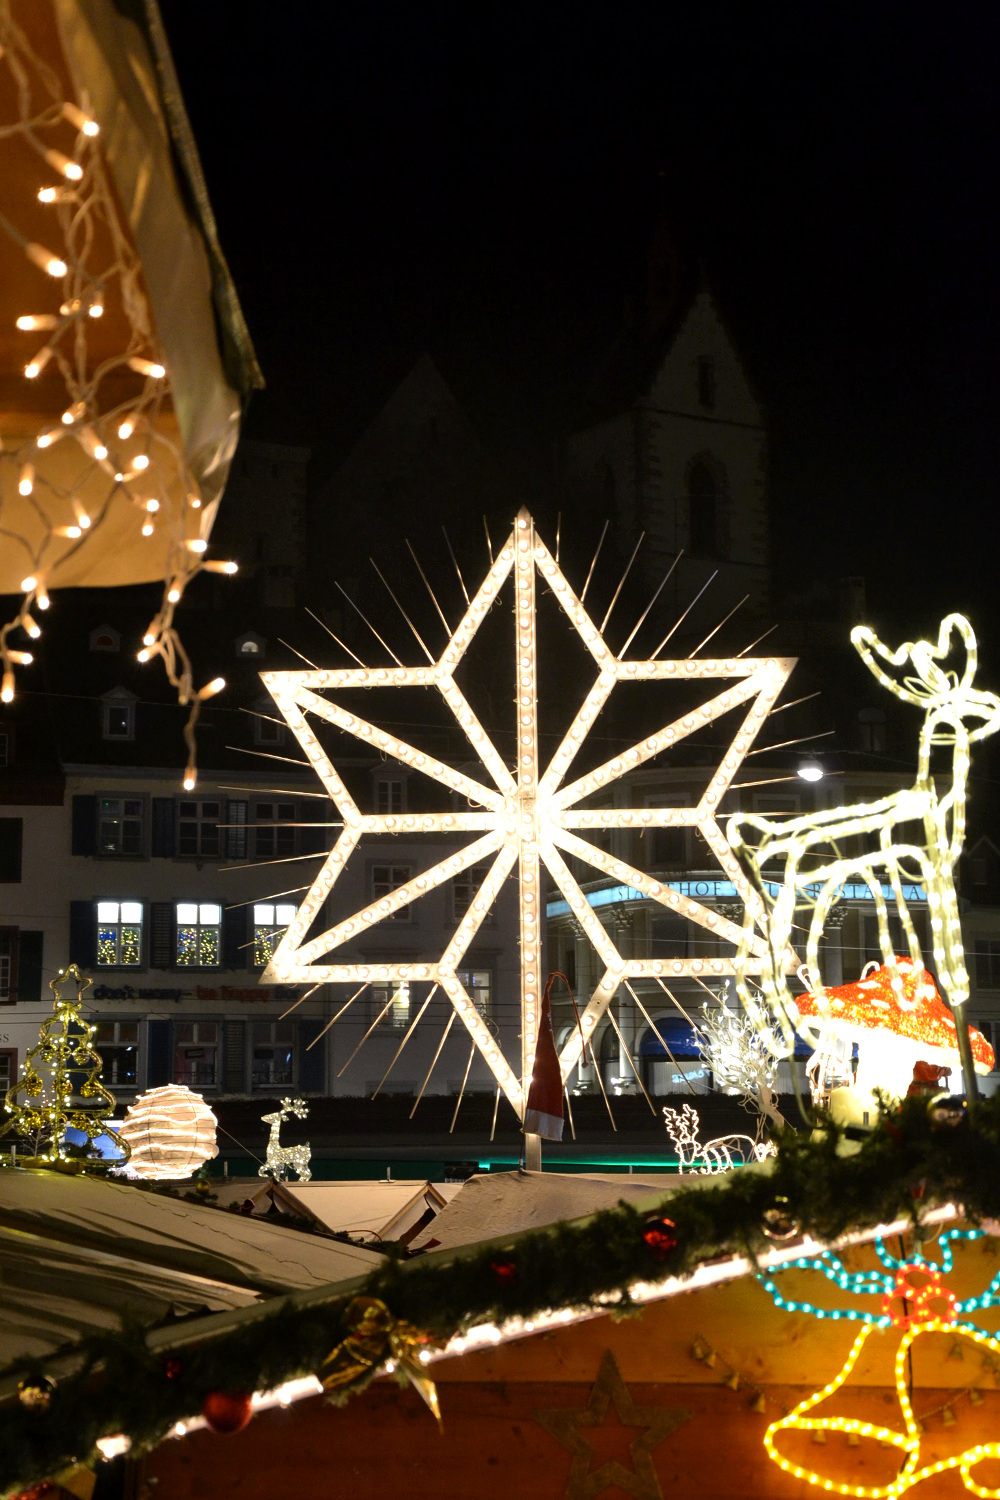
x=815, y=872
x=527, y=819
x=55, y=1098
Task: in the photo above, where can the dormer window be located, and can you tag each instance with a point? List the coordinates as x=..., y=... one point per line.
x=251, y=645
x=872, y=730
x=104, y=638
x=267, y=727
x=118, y=715
x=390, y=794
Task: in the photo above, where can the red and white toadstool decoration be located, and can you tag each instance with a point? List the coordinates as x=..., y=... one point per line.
x=891, y=1035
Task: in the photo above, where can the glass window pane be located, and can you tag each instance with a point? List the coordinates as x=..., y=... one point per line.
x=284, y=914
x=210, y=912
x=263, y=915
x=187, y=945
x=107, y=911
x=131, y=911
x=128, y=1031
x=187, y=911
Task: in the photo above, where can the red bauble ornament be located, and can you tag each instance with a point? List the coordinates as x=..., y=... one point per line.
x=505, y=1271
x=660, y=1237
x=227, y=1411
x=172, y=1368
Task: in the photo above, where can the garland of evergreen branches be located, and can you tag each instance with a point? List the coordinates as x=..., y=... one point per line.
x=910, y=1161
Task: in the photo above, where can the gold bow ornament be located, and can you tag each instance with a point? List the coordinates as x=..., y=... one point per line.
x=374, y=1338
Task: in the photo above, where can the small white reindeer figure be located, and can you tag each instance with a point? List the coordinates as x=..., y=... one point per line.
x=879, y=837
x=280, y=1158
x=719, y=1155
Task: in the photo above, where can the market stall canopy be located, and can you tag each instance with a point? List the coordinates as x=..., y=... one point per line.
x=367, y=1210
x=78, y=1252
x=117, y=312
x=499, y=1203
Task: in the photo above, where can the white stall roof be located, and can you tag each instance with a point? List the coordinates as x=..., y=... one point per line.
x=76, y=1253
x=377, y=1210
x=499, y=1203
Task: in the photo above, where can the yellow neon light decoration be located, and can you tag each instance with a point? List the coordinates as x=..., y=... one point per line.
x=527, y=816
x=815, y=871
x=907, y=1442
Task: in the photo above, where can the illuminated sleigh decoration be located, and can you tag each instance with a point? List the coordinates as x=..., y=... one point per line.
x=808, y=847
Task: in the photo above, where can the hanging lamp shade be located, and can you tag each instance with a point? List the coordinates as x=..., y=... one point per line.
x=124, y=359
x=171, y=1133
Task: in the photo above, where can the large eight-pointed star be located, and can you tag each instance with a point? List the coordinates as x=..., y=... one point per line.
x=526, y=818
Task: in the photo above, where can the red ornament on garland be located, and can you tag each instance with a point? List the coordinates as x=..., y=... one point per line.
x=505, y=1271
x=660, y=1237
x=172, y=1368
x=227, y=1411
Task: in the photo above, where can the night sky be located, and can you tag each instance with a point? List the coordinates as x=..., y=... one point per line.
x=483, y=182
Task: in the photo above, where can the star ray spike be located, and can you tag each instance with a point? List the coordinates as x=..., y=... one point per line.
x=525, y=818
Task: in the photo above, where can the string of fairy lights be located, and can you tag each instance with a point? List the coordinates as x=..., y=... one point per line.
x=109, y=457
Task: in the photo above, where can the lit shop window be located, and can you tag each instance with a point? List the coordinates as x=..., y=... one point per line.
x=119, y=825
x=270, y=923
x=199, y=934
x=273, y=1050
x=478, y=984
x=119, y=934
x=118, y=1044
x=198, y=829
x=196, y=1048
x=274, y=835
x=397, y=998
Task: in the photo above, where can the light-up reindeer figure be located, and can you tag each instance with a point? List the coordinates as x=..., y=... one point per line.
x=280, y=1158
x=815, y=871
x=710, y=1157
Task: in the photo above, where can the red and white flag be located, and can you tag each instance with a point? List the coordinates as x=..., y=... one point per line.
x=544, y=1113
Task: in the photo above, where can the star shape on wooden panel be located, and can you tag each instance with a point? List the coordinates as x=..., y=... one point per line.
x=526, y=818
x=569, y=1426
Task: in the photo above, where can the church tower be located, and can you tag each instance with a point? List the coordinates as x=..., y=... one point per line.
x=673, y=444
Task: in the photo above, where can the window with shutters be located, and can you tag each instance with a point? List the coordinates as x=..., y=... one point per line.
x=464, y=890
x=8, y=965
x=11, y=835
x=198, y=942
x=274, y=830
x=196, y=1053
x=272, y=1054
x=6, y=748
x=987, y=957
x=120, y=825
x=267, y=729
x=270, y=923
x=198, y=828
x=385, y=880
x=119, y=934
x=8, y=1067
x=118, y=1044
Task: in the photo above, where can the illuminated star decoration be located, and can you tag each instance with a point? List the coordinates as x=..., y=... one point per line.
x=526, y=818
x=568, y=1426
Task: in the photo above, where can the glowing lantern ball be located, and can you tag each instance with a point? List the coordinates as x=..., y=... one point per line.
x=171, y=1131
x=891, y=1037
